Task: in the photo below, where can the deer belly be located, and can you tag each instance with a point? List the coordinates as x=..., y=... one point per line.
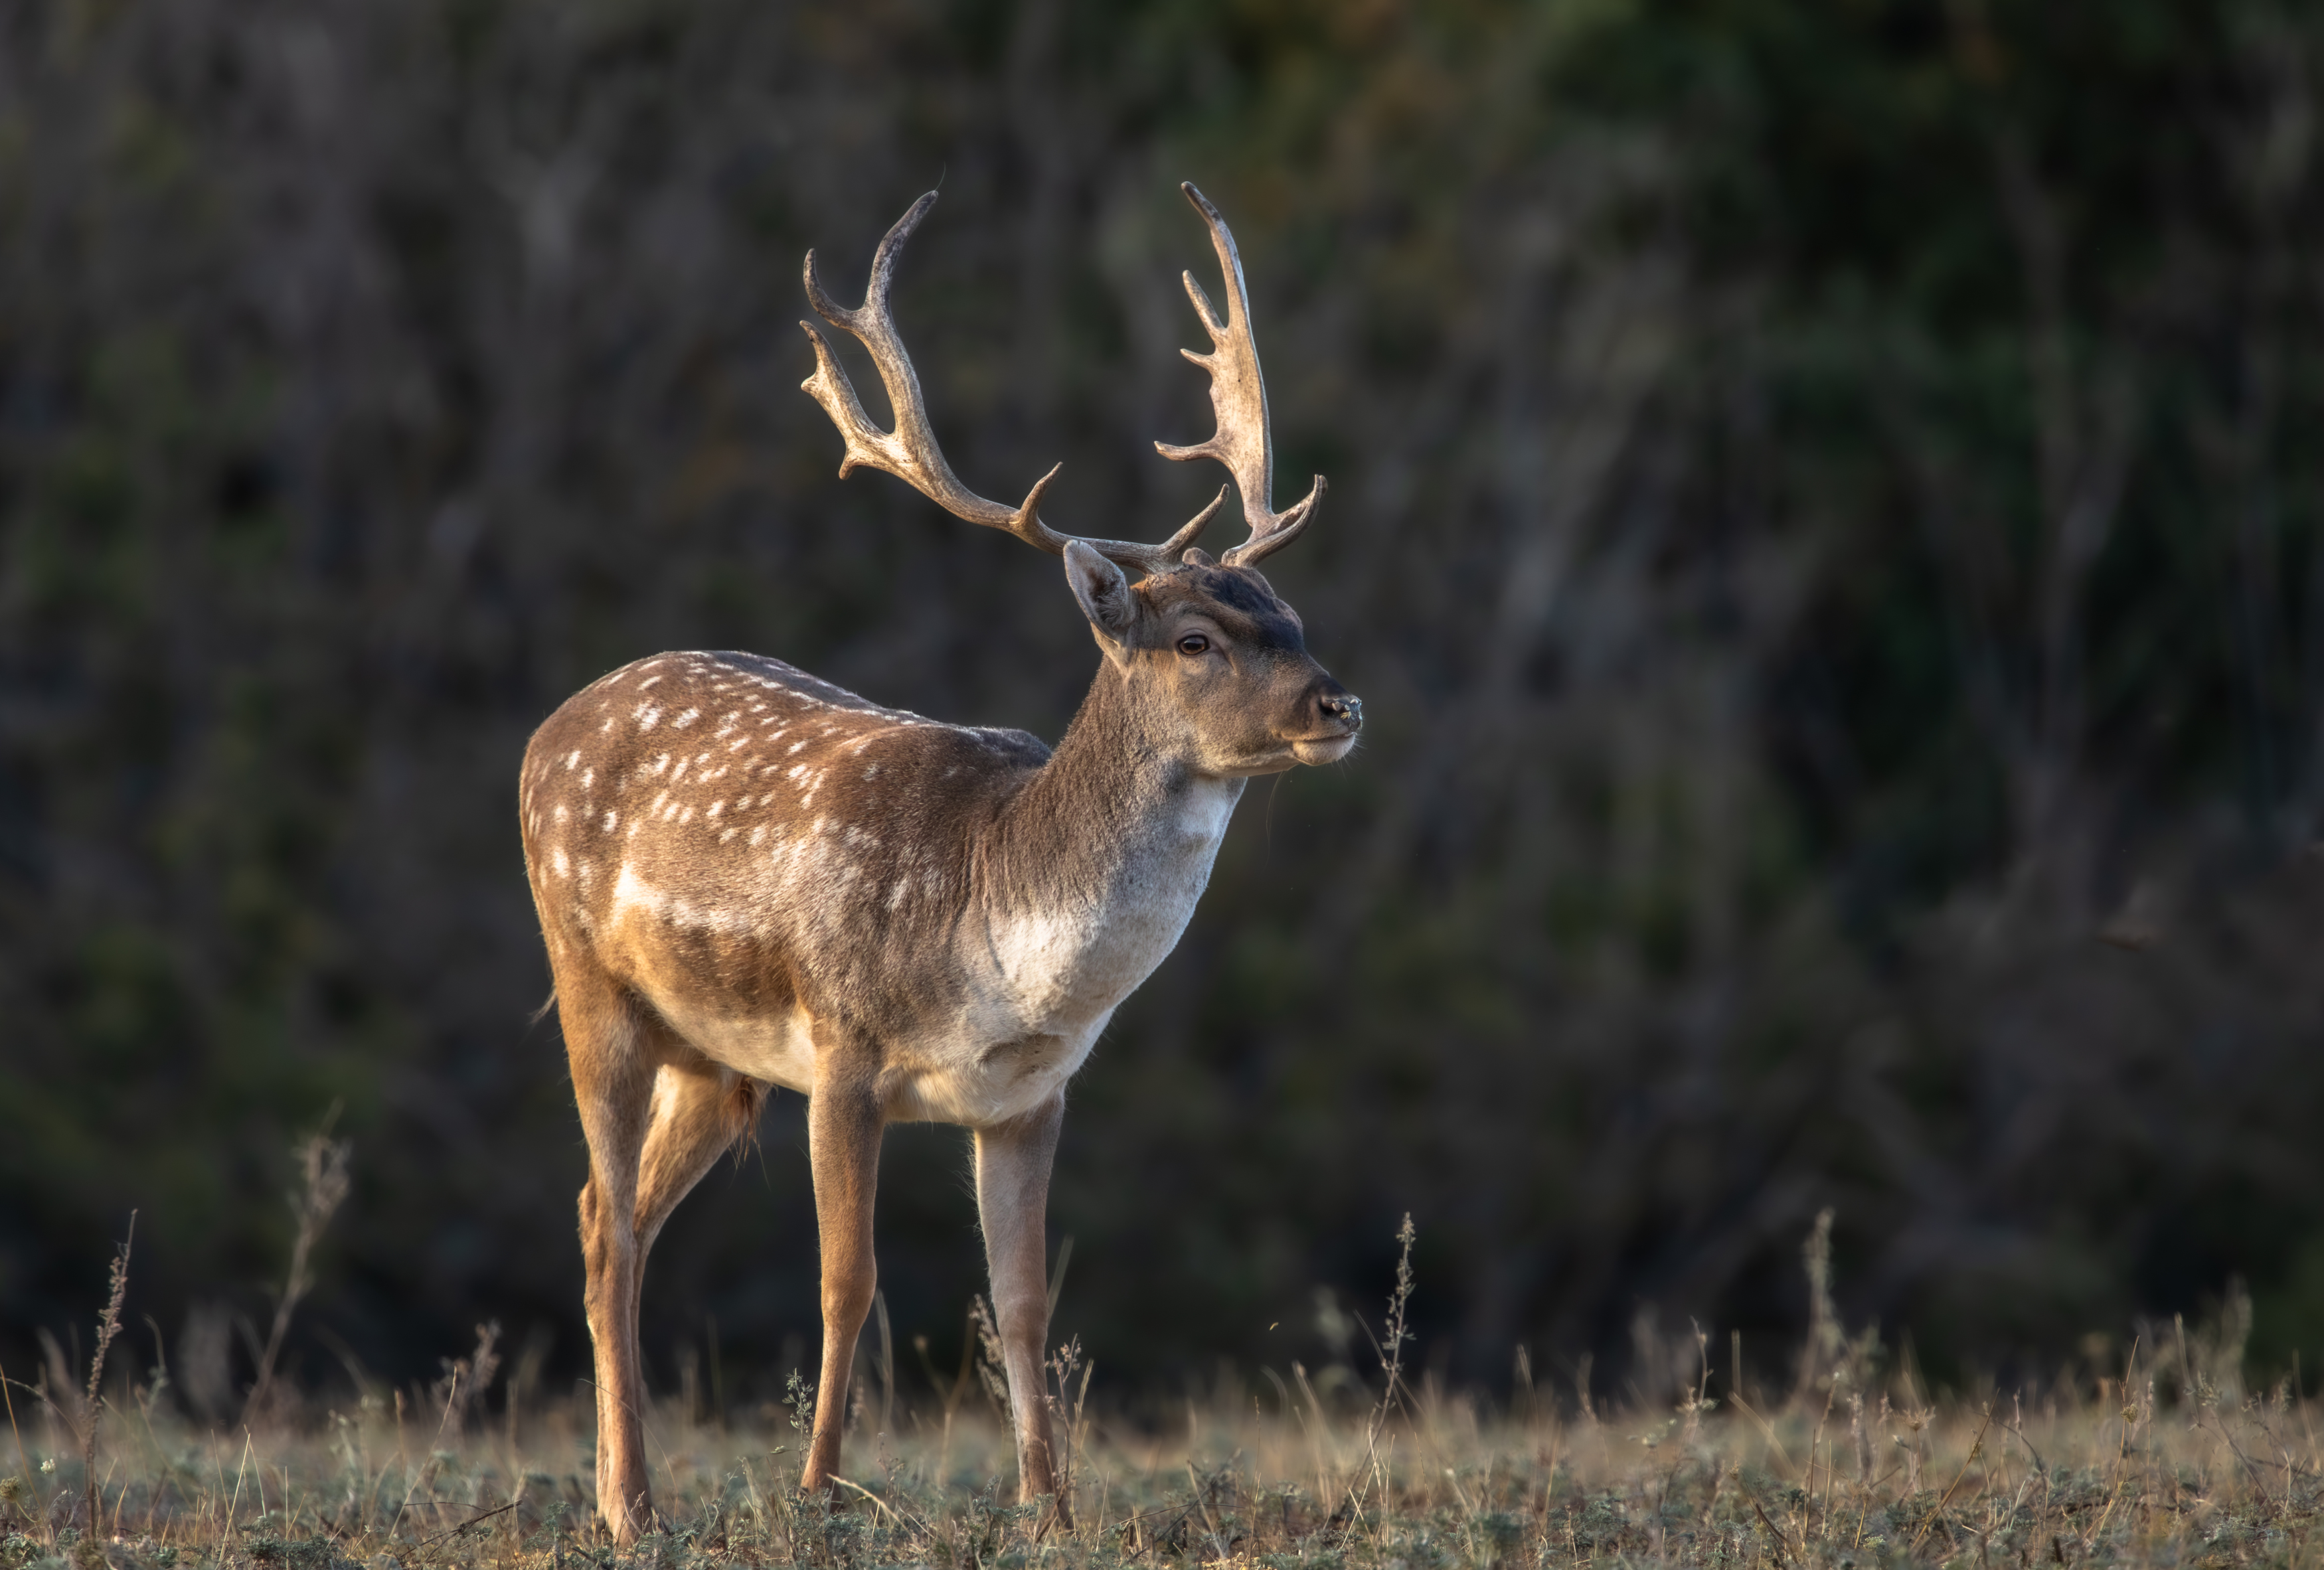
x=978, y=1082
x=778, y=1048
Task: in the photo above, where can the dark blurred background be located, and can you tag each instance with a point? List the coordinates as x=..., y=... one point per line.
x=1825, y=518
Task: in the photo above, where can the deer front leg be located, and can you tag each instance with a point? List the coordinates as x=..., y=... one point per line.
x=844, y=1124
x=1012, y=1200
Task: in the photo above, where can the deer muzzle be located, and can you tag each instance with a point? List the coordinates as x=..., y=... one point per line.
x=1336, y=714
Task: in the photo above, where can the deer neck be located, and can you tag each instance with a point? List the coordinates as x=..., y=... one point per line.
x=1095, y=867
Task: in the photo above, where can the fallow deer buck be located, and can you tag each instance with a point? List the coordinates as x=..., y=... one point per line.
x=747, y=877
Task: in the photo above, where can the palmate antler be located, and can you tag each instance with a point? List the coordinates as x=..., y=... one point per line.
x=1244, y=441
x=911, y=451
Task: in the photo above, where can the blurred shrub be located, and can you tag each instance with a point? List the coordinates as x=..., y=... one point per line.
x=1823, y=519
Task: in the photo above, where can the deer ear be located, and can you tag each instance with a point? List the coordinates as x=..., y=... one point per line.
x=1103, y=591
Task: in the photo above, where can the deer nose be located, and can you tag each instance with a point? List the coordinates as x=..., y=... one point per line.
x=1343, y=705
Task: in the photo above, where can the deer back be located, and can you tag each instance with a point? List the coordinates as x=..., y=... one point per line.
x=772, y=835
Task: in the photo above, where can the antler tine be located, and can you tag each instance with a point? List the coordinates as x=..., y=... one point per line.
x=911, y=451
x=1243, y=441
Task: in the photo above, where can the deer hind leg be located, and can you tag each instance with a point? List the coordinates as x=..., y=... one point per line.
x=695, y=1111
x=613, y=1083
x=844, y=1124
x=1012, y=1201
x=700, y=1111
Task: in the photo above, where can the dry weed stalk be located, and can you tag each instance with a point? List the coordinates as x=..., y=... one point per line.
x=1389, y=1346
x=28, y=1489
x=1066, y=1406
x=886, y=1365
x=109, y=1326
x=990, y=1367
x=323, y=1188
x=1698, y=1399
x=466, y=1379
x=1825, y=1337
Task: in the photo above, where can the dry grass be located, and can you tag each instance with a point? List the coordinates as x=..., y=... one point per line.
x=1288, y=1478
x=2168, y=1462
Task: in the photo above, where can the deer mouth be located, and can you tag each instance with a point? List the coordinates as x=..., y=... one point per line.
x=1323, y=749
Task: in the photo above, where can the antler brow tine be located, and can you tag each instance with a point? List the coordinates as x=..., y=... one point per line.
x=911, y=451
x=1243, y=441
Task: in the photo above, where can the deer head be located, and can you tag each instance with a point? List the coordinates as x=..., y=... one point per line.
x=1206, y=652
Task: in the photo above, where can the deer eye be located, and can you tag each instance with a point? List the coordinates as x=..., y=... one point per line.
x=1194, y=643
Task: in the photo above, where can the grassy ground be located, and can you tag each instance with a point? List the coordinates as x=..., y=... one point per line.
x=1850, y=1467
x=1287, y=1478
